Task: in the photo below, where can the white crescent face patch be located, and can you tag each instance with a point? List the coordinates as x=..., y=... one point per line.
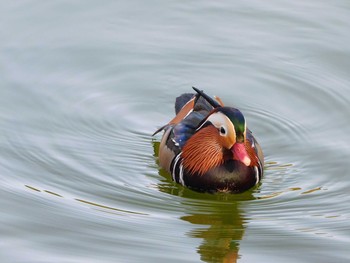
x=224, y=125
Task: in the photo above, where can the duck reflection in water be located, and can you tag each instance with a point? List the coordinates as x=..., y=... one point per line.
x=218, y=218
x=221, y=239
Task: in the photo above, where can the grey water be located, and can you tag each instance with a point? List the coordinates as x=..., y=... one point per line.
x=84, y=84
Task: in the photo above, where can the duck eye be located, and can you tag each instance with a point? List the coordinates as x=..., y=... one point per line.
x=222, y=131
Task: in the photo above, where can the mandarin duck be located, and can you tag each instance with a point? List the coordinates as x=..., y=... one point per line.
x=208, y=147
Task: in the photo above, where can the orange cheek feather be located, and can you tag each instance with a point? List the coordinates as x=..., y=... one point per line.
x=202, y=151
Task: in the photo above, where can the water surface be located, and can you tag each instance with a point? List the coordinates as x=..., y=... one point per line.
x=84, y=85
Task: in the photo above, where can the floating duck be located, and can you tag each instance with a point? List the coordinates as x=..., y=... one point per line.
x=208, y=147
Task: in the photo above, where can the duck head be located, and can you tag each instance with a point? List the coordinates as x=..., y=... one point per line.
x=219, y=137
